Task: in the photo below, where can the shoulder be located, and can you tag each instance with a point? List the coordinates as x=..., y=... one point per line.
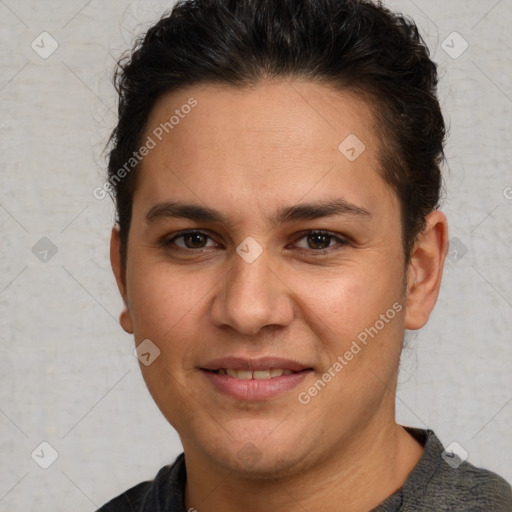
x=444, y=482
x=164, y=492
x=131, y=500
x=470, y=488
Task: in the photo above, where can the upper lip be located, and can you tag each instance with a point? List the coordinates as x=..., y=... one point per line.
x=263, y=363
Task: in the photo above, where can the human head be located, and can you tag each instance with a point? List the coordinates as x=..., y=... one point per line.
x=355, y=45
x=261, y=159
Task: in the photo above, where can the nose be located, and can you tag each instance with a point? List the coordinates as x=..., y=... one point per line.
x=251, y=297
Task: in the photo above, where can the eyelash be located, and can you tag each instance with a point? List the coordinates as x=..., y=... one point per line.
x=167, y=243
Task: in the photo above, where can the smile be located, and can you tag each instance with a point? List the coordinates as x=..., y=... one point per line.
x=271, y=373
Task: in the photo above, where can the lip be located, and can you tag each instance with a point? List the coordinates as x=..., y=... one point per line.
x=254, y=389
x=262, y=363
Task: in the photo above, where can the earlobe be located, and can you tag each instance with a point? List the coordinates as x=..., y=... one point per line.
x=117, y=267
x=425, y=270
x=125, y=320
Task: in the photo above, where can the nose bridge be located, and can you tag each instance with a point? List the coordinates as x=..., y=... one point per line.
x=251, y=297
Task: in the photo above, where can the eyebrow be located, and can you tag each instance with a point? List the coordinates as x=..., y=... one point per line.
x=318, y=210
x=177, y=209
x=305, y=211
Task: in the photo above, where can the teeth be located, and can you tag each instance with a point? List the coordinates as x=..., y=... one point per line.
x=262, y=374
x=257, y=375
x=240, y=374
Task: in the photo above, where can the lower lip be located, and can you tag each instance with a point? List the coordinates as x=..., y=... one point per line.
x=255, y=389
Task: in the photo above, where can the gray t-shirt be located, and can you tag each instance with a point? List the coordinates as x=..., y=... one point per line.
x=434, y=485
x=439, y=484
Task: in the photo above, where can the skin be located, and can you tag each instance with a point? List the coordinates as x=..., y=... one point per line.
x=249, y=153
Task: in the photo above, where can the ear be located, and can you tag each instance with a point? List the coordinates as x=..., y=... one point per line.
x=425, y=270
x=117, y=267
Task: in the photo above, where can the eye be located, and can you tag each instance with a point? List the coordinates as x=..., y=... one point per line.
x=319, y=240
x=190, y=240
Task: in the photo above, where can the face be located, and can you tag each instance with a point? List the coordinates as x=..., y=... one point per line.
x=265, y=263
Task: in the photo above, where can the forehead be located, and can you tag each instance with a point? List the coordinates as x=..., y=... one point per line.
x=282, y=114
x=274, y=139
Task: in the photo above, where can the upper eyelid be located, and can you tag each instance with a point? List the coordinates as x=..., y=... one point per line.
x=301, y=234
x=188, y=232
x=307, y=232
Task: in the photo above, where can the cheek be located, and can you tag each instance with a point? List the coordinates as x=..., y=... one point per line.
x=350, y=298
x=164, y=299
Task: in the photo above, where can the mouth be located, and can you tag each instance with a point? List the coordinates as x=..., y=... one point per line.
x=254, y=379
x=270, y=373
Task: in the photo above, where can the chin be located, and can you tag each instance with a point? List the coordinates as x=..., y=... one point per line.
x=259, y=457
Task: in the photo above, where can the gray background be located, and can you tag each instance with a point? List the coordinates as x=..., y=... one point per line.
x=68, y=376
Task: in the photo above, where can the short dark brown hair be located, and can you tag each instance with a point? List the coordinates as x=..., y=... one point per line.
x=354, y=45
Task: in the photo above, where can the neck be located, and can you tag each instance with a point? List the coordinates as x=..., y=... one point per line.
x=360, y=475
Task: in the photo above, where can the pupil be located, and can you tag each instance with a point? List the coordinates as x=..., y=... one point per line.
x=319, y=241
x=195, y=240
